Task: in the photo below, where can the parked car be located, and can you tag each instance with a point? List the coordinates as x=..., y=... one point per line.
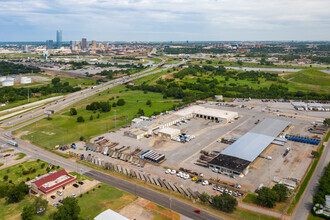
x=56, y=204
x=60, y=201
x=73, y=195
x=40, y=210
x=7, y=155
x=75, y=185
x=53, y=197
x=59, y=193
x=81, y=182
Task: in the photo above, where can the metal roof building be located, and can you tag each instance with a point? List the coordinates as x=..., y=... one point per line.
x=251, y=144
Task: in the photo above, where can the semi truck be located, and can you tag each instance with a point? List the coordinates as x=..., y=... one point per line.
x=13, y=143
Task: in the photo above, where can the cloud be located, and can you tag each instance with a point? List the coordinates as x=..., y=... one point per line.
x=166, y=20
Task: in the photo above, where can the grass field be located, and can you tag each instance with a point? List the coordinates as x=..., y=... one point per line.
x=108, y=197
x=252, y=199
x=310, y=76
x=15, y=172
x=312, y=217
x=20, y=156
x=64, y=129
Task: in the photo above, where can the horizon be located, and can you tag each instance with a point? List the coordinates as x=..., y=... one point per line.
x=142, y=20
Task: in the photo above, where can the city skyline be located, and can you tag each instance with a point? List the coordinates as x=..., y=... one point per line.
x=165, y=21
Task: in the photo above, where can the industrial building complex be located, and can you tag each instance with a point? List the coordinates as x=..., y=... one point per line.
x=143, y=127
x=236, y=158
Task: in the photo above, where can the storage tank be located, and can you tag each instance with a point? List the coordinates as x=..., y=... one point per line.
x=8, y=82
x=25, y=80
x=2, y=78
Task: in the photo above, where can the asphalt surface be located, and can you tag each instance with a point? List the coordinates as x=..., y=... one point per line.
x=161, y=199
x=306, y=202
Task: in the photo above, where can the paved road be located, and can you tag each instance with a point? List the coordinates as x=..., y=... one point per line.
x=77, y=96
x=306, y=202
x=156, y=197
x=161, y=199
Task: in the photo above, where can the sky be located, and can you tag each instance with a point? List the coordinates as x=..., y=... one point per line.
x=165, y=20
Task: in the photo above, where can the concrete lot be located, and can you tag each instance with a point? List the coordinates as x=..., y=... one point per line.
x=207, y=133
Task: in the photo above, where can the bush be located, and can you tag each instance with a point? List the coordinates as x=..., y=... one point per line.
x=121, y=102
x=80, y=119
x=73, y=111
x=282, y=192
x=81, y=138
x=267, y=197
x=5, y=177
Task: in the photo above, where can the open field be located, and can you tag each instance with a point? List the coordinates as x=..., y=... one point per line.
x=310, y=76
x=107, y=197
x=66, y=129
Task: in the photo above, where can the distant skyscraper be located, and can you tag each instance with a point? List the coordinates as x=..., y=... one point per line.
x=93, y=44
x=50, y=44
x=84, y=44
x=58, y=39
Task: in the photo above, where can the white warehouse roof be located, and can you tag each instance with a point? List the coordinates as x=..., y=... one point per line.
x=251, y=144
x=170, y=131
x=110, y=214
x=213, y=112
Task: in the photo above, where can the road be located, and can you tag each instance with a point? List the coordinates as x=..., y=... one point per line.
x=77, y=96
x=153, y=196
x=161, y=199
x=306, y=202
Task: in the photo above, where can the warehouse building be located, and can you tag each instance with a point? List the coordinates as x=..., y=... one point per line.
x=52, y=182
x=235, y=159
x=140, y=129
x=169, y=133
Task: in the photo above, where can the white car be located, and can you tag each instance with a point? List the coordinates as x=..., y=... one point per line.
x=179, y=174
x=173, y=172
x=167, y=171
x=73, y=195
x=205, y=182
x=186, y=176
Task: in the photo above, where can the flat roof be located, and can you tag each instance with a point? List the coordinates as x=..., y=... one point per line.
x=169, y=130
x=232, y=163
x=110, y=214
x=250, y=145
x=213, y=112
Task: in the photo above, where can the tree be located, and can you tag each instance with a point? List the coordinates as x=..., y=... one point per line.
x=80, y=119
x=105, y=106
x=267, y=197
x=81, y=138
x=224, y=202
x=315, y=154
x=140, y=112
x=28, y=212
x=5, y=177
x=73, y=111
x=17, y=193
x=204, y=197
x=98, y=116
x=148, y=102
x=70, y=210
x=326, y=122
x=239, y=62
x=91, y=118
x=114, y=104
x=56, y=80
x=121, y=102
x=282, y=192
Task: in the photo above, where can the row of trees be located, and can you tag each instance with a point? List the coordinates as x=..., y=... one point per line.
x=13, y=193
x=102, y=106
x=323, y=187
x=7, y=68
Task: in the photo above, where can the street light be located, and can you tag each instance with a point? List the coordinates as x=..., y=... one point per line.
x=170, y=202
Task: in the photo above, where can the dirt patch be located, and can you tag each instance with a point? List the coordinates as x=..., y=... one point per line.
x=158, y=143
x=22, y=133
x=106, y=204
x=168, y=76
x=48, y=133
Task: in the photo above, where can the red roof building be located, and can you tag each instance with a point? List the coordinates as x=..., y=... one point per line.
x=52, y=182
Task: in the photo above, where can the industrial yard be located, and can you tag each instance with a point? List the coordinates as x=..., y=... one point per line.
x=211, y=138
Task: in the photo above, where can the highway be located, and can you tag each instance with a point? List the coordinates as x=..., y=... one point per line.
x=77, y=96
x=306, y=202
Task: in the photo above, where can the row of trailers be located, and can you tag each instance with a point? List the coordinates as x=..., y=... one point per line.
x=152, y=179
x=307, y=140
x=152, y=156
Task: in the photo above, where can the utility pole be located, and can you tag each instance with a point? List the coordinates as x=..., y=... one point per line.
x=28, y=95
x=115, y=120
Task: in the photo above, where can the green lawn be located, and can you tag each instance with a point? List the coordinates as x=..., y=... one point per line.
x=64, y=129
x=250, y=198
x=101, y=199
x=313, y=217
x=310, y=76
x=15, y=172
x=20, y=156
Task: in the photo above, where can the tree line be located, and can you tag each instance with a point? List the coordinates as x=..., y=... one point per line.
x=8, y=68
